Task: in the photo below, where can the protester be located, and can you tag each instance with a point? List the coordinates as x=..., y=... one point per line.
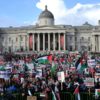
x=39, y=74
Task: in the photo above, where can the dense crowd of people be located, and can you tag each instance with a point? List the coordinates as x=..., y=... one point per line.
x=28, y=77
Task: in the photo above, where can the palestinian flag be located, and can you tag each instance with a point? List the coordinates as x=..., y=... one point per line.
x=2, y=68
x=45, y=59
x=53, y=69
x=97, y=92
x=77, y=94
x=53, y=96
x=81, y=64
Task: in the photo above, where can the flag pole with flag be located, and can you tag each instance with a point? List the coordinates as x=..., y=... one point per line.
x=77, y=94
x=45, y=59
x=81, y=64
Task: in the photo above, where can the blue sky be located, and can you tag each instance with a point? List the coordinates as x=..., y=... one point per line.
x=25, y=12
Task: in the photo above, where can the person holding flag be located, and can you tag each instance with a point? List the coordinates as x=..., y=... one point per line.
x=76, y=91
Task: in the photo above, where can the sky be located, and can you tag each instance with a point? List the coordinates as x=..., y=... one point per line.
x=67, y=12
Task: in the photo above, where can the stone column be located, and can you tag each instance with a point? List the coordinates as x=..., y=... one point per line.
x=33, y=42
x=43, y=41
x=64, y=41
x=59, y=41
x=48, y=41
x=19, y=40
x=38, y=42
x=99, y=43
x=25, y=42
x=54, y=41
x=96, y=43
x=93, y=43
x=28, y=42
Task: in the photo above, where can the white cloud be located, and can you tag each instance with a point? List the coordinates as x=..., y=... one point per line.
x=76, y=15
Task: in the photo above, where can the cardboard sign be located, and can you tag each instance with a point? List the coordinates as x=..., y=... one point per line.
x=89, y=82
x=86, y=71
x=38, y=72
x=61, y=76
x=31, y=98
x=91, y=63
x=97, y=76
x=66, y=73
x=73, y=69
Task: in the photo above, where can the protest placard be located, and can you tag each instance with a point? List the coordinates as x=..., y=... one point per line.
x=61, y=76
x=66, y=73
x=31, y=98
x=97, y=77
x=86, y=71
x=89, y=82
x=72, y=69
x=91, y=63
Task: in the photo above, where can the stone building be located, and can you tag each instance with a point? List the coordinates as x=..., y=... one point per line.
x=45, y=35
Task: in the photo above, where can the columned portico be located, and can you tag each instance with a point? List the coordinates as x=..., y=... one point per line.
x=47, y=41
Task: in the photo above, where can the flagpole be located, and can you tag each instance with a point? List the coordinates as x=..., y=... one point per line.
x=89, y=91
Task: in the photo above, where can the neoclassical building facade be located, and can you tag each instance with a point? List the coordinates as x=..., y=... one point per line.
x=45, y=35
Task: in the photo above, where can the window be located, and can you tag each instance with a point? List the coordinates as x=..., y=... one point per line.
x=16, y=39
x=45, y=22
x=70, y=48
x=89, y=48
x=2, y=38
x=21, y=38
x=88, y=38
x=70, y=37
x=76, y=39
x=82, y=38
x=22, y=49
x=9, y=49
x=9, y=39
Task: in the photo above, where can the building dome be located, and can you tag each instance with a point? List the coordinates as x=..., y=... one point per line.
x=46, y=14
x=46, y=18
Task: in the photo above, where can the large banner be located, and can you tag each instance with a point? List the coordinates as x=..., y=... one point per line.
x=5, y=75
x=89, y=82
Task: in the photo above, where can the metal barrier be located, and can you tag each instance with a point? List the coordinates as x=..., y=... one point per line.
x=66, y=96
x=63, y=96
x=87, y=96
